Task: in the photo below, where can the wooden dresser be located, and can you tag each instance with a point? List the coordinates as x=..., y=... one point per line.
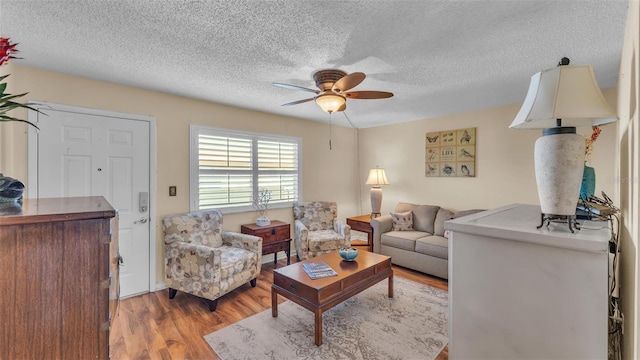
x=59, y=278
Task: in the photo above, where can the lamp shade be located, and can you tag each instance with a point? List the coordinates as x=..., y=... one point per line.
x=377, y=177
x=568, y=92
x=330, y=102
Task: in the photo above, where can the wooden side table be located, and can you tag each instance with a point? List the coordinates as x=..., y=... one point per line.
x=362, y=223
x=275, y=237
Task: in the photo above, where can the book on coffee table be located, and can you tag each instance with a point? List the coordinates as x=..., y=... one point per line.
x=317, y=270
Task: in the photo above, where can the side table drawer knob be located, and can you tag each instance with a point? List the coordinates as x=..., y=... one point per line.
x=293, y=286
x=273, y=231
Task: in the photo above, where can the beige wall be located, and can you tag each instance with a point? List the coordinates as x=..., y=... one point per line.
x=629, y=179
x=504, y=164
x=327, y=174
x=504, y=167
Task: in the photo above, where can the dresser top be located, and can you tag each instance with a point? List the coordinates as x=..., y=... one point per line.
x=519, y=222
x=55, y=209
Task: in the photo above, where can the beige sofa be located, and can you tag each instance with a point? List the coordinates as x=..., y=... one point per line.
x=425, y=248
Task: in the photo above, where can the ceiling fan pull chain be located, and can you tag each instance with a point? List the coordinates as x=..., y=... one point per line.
x=330, y=114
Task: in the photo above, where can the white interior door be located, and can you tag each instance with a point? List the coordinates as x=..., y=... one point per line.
x=91, y=154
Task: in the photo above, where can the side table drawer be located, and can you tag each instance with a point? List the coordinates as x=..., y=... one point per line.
x=271, y=248
x=359, y=226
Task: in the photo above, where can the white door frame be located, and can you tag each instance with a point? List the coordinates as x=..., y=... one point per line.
x=32, y=164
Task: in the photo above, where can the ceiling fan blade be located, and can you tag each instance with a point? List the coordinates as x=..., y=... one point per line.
x=348, y=81
x=298, y=102
x=294, y=87
x=368, y=95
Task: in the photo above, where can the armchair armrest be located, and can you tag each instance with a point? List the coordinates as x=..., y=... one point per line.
x=174, y=250
x=242, y=241
x=344, y=230
x=380, y=225
x=301, y=237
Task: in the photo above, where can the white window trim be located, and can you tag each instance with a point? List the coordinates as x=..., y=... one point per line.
x=194, y=130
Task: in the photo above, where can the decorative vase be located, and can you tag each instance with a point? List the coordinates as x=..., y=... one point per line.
x=10, y=189
x=588, y=187
x=348, y=253
x=263, y=221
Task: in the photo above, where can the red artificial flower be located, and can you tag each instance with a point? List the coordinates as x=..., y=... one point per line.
x=6, y=49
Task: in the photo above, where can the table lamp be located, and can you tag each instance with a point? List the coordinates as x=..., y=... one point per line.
x=376, y=178
x=558, y=100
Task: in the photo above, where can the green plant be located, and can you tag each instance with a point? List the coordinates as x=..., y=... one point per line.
x=7, y=102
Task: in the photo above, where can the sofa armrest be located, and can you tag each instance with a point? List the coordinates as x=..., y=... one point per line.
x=301, y=239
x=380, y=225
x=243, y=241
x=344, y=230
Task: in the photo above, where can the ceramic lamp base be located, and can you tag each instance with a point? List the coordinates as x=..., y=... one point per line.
x=559, y=165
x=376, y=201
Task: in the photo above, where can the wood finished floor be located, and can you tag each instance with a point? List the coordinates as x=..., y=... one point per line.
x=151, y=326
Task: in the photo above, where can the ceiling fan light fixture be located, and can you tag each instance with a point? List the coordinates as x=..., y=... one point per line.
x=330, y=102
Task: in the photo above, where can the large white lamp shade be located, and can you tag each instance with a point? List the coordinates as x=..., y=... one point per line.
x=376, y=178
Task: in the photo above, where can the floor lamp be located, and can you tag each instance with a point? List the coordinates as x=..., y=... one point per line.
x=559, y=100
x=376, y=178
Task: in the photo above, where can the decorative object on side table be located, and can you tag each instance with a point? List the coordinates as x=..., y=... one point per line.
x=348, y=253
x=261, y=204
x=588, y=187
x=558, y=100
x=376, y=178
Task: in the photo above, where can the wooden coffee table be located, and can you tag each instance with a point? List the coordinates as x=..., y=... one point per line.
x=319, y=295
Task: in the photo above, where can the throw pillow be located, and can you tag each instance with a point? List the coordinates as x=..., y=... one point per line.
x=402, y=221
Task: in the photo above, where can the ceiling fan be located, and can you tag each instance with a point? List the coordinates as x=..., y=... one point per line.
x=332, y=90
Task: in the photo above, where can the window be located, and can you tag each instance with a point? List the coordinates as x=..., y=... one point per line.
x=228, y=168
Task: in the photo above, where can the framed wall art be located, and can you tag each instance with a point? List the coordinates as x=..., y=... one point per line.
x=450, y=153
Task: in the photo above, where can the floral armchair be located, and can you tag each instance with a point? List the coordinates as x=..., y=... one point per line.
x=317, y=229
x=205, y=261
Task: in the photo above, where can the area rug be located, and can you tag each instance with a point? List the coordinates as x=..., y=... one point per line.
x=411, y=325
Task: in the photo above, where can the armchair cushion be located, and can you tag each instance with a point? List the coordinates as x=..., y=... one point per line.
x=200, y=227
x=205, y=261
x=317, y=231
x=316, y=215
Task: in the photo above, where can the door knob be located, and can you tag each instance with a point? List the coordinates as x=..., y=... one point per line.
x=141, y=221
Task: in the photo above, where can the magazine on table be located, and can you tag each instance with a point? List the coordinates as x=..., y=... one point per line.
x=317, y=270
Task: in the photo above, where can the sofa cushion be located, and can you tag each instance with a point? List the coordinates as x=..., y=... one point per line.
x=402, y=221
x=436, y=246
x=404, y=207
x=442, y=216
x=405, y=240
x=423, y=215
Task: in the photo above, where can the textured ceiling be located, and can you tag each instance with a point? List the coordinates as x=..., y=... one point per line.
x=437, y=57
